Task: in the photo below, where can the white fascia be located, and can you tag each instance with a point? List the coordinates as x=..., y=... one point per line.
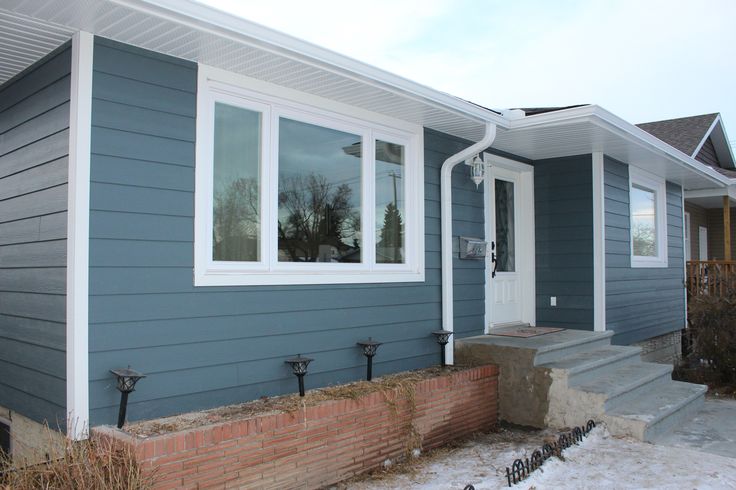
x=609, y=121
x=77, y=269
x=446, y=229
x=207, y=19
x=705, y=136
x=599, y=245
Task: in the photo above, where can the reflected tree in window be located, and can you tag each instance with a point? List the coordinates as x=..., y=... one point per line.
x=643, y=222
x=318, y=221
x=236, y=224
x=392, y=236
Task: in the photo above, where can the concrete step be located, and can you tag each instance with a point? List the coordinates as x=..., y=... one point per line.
x=587, y=364
x=574, y=342
x=615, y=386
x=655, y=411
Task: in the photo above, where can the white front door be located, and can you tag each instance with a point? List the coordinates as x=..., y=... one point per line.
x=509, y=229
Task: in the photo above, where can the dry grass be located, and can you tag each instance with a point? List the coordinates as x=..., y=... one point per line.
x=83, y=465
x=401, y=383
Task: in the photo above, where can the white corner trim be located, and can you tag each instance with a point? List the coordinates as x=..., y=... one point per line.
x=706, y=136
x=599, y=244
x=77, y=271
x=446, y=229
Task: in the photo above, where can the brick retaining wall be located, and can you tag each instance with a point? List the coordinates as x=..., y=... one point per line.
x=321, y=444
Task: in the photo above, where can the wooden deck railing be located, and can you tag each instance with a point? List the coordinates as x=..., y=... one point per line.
x=713, y=277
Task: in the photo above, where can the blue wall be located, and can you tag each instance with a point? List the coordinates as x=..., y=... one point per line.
x=643, y=302
x=209, y=346
x=563, y=200
x=34, y=147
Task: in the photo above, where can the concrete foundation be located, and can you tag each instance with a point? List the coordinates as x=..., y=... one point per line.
x=30, y=441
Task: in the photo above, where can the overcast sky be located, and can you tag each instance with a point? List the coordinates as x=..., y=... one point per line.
x=644, y=60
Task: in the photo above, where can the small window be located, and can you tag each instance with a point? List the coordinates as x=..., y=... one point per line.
x=648, y=211
x=288, y=192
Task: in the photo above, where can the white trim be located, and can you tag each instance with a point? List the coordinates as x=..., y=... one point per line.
x=599, y=244
x=687, y=250
x=657, y=185
x=207, y=19
x=707, y=133
x=446, y=229
x=77, y=273
x=273, y=102
x=599, y=116
x=525, y=241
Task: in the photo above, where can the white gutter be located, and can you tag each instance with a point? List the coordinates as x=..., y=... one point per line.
x=446, y=228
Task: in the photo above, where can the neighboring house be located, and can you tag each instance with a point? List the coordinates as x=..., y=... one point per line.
x=200, y=197
x=711, y=235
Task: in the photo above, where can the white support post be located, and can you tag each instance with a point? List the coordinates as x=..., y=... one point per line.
x=77, y=272
x=599, y=245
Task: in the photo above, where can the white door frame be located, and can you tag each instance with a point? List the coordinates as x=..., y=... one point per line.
x=525, y=249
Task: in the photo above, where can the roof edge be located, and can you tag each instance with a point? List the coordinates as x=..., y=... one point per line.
x=203, y=17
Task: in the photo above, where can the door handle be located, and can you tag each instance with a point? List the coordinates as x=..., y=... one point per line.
x=494, y=259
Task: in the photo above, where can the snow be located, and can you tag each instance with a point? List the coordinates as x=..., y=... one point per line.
x=601, y=461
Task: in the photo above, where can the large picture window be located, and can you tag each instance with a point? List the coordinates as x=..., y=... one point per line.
x=648, y=212
x=296, y=193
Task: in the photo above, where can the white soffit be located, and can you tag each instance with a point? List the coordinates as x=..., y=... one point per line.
x=30, y=29
x=590, y=129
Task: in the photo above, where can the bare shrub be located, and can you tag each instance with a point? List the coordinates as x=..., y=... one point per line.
x=712, y=335
x=80, y=465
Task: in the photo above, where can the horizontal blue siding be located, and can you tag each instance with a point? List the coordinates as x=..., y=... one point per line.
x=34, y=148
x=209, y=346
x=641, y=303
x=563, y=215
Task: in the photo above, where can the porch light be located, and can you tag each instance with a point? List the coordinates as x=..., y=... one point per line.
x=442, y=337
x=127, y=378
x=299, y=366
x=477, y=170
x=370, y=347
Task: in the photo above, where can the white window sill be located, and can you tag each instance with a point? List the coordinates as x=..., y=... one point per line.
x=275, y=278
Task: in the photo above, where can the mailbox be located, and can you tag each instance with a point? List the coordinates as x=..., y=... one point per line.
x=472, y=248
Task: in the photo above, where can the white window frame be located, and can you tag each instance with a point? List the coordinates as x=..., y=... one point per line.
x=274, y=102
x=650, y=182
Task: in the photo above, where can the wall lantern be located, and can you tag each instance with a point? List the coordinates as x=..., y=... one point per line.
x=477, y=170
x=127, y=378
x=370, y=347
x=299, y=366
x=442, y=337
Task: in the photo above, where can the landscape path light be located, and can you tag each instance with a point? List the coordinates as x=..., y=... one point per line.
x=369, y=347
x=442, y=337
x=299, y=366
x=127, y=378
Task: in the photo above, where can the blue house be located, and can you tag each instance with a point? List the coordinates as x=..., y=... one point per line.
x=200, y=197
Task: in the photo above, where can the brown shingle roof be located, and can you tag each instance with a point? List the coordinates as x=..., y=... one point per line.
x=684, y=133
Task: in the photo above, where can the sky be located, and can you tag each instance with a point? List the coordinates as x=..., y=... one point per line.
x=643, y=60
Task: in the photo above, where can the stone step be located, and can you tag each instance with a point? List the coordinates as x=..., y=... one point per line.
x=587, y=364
x=571, y=343
x=628, y=381
x=655, y=411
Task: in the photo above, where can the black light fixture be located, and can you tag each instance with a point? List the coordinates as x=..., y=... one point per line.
x=299, y=366
x=370, y=347
x=442, y=337
x=127, y=378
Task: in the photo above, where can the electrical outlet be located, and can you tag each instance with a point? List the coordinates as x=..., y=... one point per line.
x=553, y=300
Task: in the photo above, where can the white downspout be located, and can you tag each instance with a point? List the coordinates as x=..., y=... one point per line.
x=446, y=228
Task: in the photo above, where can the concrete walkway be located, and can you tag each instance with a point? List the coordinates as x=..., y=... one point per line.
x=711, y=430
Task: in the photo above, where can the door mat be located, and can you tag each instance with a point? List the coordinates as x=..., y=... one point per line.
x=524, y=331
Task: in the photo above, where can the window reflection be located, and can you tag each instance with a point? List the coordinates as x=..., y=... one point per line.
x=237, y=156
x=319, y=194
x=643, y=222
x=389, y=203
